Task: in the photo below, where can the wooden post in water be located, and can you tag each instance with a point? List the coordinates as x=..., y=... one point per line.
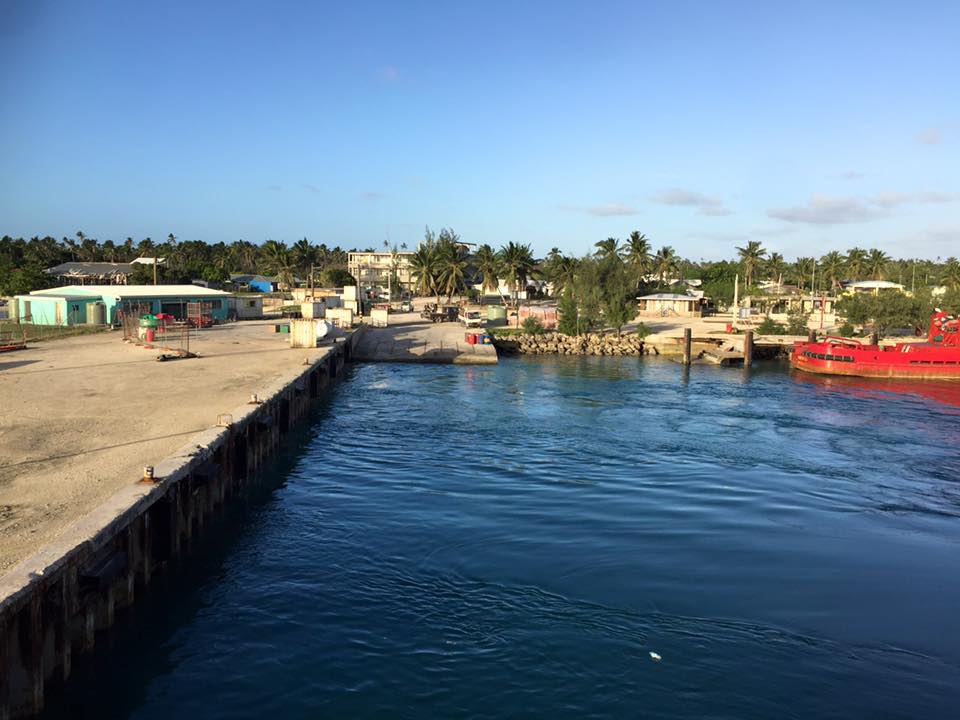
x=686, y=346
x=812, y=336
x=874, y=338
x=748, y=349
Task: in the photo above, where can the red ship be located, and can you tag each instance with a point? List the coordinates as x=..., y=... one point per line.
x=936, y=359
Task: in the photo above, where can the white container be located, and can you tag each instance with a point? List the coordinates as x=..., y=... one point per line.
x=312, y=310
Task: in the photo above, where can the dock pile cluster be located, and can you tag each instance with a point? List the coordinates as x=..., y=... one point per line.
x=559, y=344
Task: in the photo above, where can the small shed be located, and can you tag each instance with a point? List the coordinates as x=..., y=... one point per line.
x=670, y=304
x=247, y=307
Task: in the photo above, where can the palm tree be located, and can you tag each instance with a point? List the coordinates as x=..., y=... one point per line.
x=751, y=256
x=451, y=268
x=876, y=263
x=775, y=266
x=279, y=262
x=831, y=267
x=665, y=263
x=243, y=256
x=488, y=265
x=637, y=256
x=856, y=262
x=608, y=249
x=803, y=269
x=517, y=263
x=951, y=273
x=561, y=272
x=304, y=255
x=424, y=264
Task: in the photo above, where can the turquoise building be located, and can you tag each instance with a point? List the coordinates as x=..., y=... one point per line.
x=69, y=305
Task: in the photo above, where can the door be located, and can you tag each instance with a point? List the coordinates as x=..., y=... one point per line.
x=59, y=311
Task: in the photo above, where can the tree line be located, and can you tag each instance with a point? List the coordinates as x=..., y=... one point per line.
x=442, y=265
x=22, y=262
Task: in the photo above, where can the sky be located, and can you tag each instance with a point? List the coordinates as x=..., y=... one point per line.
x=805, y=126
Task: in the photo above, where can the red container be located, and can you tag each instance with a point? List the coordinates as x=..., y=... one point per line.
x=151, y=335
x=471, y=338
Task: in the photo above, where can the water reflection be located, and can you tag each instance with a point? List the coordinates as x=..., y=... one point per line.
x=941, y=392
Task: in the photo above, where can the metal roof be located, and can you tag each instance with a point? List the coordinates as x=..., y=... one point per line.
x=874, y=284
x=668, y=296
x=128, y=291
x=90, y=268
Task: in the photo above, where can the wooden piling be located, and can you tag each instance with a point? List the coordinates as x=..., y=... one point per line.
x=748, y=349
x=687, y=340
x=812, y=336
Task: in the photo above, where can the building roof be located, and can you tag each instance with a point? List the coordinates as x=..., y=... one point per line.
x=66, y=294
x=246, y=278
x=147, y=261
x=128, y=291
x=90, y=268
x=668, y=296
x=875, y=284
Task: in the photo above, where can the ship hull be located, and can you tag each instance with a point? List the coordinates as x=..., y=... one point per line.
x=875, y=362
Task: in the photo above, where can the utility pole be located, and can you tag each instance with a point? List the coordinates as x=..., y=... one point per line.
x=154, y=268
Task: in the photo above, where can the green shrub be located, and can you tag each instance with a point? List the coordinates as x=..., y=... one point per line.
x=643, y=330
x=797, y=322
x=533, y=326
x=846, y=330
x=771, y=327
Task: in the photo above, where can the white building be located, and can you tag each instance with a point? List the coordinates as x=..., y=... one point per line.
x=372, y=269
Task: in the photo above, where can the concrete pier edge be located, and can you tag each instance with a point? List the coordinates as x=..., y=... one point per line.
x=48, y=607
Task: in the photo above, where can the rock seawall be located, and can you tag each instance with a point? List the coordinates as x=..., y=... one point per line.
x=558, y=344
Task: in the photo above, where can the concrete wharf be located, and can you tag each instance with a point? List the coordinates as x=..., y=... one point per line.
x=409, y=338
x=84, y=530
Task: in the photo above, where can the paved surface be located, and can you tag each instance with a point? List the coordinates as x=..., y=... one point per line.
x=80, y=417
x=409, y=338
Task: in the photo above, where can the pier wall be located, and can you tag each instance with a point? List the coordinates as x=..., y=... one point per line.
x=54, y=604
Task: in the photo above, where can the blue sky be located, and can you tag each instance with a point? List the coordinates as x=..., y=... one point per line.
x=813, y=127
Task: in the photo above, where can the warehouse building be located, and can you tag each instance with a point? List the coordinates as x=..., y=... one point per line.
x=100, y=304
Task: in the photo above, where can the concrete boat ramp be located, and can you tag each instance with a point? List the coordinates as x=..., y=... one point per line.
x=409, y=338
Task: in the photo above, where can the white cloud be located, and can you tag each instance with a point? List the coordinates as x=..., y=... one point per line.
x=851, y=175
x=825, y=210
x=930, y=136
x=892, y=199
x=311, y=188
x=711, y=206
x=610, y=210
x=372, y=196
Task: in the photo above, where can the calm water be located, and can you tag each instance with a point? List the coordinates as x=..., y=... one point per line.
x=513, y=542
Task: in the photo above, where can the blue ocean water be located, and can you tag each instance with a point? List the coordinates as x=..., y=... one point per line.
x=514, y=541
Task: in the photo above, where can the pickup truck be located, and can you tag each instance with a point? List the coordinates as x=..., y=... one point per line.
x=441, y=313
x=470, y=319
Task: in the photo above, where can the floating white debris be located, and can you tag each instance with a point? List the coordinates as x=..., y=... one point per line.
x=655, y=656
